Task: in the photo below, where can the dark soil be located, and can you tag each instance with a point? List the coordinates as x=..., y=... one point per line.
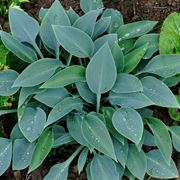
x=132, y=10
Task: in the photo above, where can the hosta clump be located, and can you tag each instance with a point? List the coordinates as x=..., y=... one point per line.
x=98, y=76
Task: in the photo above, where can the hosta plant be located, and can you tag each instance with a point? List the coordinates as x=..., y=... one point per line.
x=88, y=82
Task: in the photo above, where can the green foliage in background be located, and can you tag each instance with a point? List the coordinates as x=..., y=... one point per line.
x=5, y=4
x=88, y=81
x=170, y=44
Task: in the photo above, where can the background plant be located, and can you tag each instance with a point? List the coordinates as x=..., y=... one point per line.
x=170, y=44
x=88, y=81
x=5, y=4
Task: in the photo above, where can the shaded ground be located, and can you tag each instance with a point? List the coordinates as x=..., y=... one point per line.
x=132, y=10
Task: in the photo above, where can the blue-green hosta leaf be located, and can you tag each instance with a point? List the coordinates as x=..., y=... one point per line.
x=118, y=57
x=129, y=123
x=23, y=27
x=37, y=72
x=108, y=113
x=16, y=133
x=21, y=51
x=22, y=154
x=170, y=34
x=133, y=100
x=101, y=26
x=88, y=172
x=148, y=139
x=136, y=162
x=158, y=92
x=43, y=148
x=58, y=131
x=5, y=155
x=73, y=16
x=157, y=167
x=127, y=45
x=116, y=19
x=172, y=81
x=51, y=97
x=67, y=76
x=65, y=139
x=97, y=135
x=127, y=83
x=63, y=108
x=74, y=125
x=87, y=22
x=108, y=38
x=175, y=132
x=153, y=44
x=32, y=123
x=102, y=167
x=121, y=151
x=74, y=40
x=60, y=171
x=145, y=112
x=3, y=112
x=27, y=92
x=164, y=65
x=161, y=137
x=120, y=170
x=88, y=5
x=85, y=92
x=82, y=159
x=7, y=78
x=56, y=15
x=135, y=29
x=42, y=13
x=99, y=81
x=132, y=59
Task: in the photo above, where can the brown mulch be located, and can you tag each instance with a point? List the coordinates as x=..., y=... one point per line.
x=132, y=10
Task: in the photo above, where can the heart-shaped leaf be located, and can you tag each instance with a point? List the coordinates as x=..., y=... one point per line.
x=136, y=162
x=20, y=50
x=102, y=167
x=22, y=154
x=164, y=65
x=5, y=155
x=158, y=92
x=99, y=81
x=157, y=167
x=7, y=78
x=74, y=40
x=63, y=108
x=67, y=76
x=37, y=72
x=32, y=123
x=55, y=15
x=87, y=22
x=43, y=147
x=127, y=83
x=175, y=131
x=129, y=123
x=97, y=135
x=161, y=137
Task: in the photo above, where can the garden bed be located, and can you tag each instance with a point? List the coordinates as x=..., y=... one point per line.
x=132, y=11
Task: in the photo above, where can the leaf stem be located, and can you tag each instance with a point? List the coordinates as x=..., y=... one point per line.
x=98, y=102
x=37, y=50
x=78, y=150
x=80, y=62
x=69, y=60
